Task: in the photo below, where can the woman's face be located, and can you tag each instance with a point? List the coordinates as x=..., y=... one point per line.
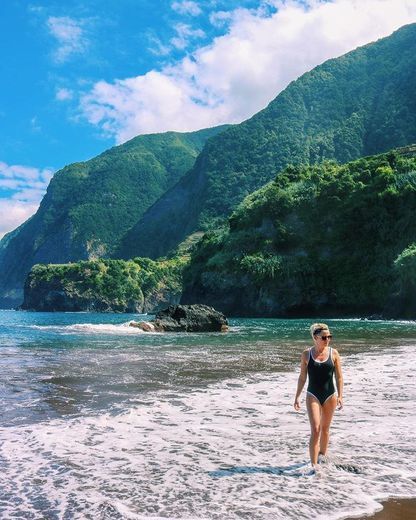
x=323, y=338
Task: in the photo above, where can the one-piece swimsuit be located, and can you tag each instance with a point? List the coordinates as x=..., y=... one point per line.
x=321, y=377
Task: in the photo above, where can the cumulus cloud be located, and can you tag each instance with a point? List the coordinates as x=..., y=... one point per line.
x=240, y=72
x=70, y=36
x=187, y=7
x=25, y=187
x=64, y=94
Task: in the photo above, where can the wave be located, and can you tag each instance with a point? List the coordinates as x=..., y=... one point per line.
x=92, y=328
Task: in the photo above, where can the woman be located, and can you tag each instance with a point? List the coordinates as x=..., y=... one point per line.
x=319, y=363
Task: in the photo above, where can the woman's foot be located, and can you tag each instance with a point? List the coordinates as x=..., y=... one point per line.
x=322, y=458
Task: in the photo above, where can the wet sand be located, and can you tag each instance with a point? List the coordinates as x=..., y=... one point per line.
x=395, y=509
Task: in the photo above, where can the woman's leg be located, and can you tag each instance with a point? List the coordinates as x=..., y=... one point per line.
x=328, y=409
x=314, y=413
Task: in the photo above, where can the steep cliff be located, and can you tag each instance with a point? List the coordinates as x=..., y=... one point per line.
x=359, y=104
x=334, y=239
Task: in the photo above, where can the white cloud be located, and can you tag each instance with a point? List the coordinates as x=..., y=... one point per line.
x=70, y=37
x=157, y=47
x=25, y=187
x=64, y=94
x=184, y=34
x=13, y=213
x=187, y=7
x=239, y=73
x=220, y=18
x=25, y=174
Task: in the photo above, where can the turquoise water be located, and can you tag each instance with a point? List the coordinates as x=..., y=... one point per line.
x=100, y=420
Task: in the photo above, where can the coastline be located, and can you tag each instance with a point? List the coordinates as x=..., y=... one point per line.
x=393, y=509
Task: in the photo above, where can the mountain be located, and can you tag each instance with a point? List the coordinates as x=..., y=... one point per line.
x=145, y=197
x=360, y=104
x=90, y=205
x=322, y=239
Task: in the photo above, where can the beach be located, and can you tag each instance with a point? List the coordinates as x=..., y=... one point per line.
x=99, y=420
x=394, y=509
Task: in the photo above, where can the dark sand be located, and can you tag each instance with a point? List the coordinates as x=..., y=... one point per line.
x=395, y=509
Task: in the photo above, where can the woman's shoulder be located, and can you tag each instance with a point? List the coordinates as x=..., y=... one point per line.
x=335, y=353
x=305, y=353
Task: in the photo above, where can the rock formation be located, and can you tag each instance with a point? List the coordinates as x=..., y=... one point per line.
x=185, y=318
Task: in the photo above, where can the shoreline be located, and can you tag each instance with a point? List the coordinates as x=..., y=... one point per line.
x=393, y=509
x=311, y=317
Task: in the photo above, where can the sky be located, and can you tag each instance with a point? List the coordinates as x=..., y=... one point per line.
x=80, y=76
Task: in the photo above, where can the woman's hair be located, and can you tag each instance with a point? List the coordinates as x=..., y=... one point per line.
x=316, y=328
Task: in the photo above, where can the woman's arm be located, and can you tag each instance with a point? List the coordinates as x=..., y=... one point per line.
x=339, y=380
x=301, y=380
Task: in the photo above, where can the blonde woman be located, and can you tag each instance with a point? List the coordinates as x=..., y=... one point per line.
x=319, y=364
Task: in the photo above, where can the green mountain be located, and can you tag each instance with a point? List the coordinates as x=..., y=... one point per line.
x=359, y=104
x=145, y=197
x=89, y=206
x=328, y=238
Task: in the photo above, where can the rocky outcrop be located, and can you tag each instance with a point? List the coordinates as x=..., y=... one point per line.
x=55, y=297
x=159, y=299
x=102, y=286
x=185, y=318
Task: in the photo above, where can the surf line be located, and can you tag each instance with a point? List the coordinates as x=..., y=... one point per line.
x=295, y=470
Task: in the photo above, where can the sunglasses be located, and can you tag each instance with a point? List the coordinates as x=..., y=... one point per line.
x=324, y=338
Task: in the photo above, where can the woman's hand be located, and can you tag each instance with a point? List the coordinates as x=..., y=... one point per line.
x=340, y=404
x=296, y=404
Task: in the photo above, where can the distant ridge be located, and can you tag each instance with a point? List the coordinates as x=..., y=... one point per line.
x=89, y=206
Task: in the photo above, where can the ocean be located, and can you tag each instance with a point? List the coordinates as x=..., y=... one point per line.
x=102, y=421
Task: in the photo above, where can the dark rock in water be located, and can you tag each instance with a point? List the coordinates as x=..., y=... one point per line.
x=190, y=318
x=186, y=318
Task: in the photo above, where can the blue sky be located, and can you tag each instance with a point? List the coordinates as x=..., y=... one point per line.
x=80, y=76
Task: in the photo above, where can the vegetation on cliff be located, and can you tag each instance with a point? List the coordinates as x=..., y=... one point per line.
x=138, y=285
x=89, y=206
x=359, y=104
x=325, y=237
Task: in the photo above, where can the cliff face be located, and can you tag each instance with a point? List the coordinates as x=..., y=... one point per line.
x=51, y=296
x=89, y=206
x=359, y=104
x=104, y=286
x=327, y=239
x=54, y=296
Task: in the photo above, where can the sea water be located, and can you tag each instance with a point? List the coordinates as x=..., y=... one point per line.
x=102, y=421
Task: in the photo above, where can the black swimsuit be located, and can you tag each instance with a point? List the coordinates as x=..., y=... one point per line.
x=321, y=377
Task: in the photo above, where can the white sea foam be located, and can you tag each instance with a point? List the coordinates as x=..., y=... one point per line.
x=236, y=449
x=92, y=328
